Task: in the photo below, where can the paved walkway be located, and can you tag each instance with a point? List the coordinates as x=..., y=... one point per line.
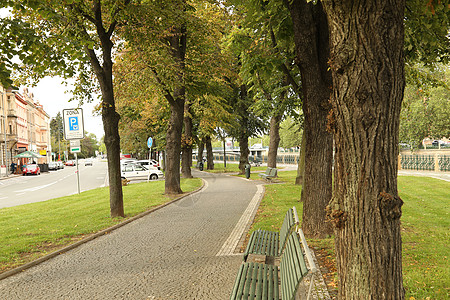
x=168, y=254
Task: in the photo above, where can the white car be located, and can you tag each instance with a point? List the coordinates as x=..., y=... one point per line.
x=147, y=163
x=136, y=171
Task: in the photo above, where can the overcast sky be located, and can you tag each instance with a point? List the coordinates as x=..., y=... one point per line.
x=50, y=92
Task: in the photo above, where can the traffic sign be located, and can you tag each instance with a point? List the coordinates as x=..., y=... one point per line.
x=149, y=142
x=73, y=124
x=75, y=146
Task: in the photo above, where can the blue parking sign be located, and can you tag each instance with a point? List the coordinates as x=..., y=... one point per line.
x=73, y=124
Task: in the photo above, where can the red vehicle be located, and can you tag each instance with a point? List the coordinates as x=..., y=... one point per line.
x=31, y=169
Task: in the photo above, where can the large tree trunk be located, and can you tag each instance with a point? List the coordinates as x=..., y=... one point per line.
x=209, y=154
x=301, y=163
x=186, y=157
x=201, y=148
x=110, y=117
x=368, y=78
x=274, y=136
x=243, y=148
x=173, y=148
x=312, y=50
x=174, y=130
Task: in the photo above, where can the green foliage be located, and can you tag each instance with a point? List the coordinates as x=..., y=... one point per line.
x=426, y=110
x=290, y=133
x=426, y=31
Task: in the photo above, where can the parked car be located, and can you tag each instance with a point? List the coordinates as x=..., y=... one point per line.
x=147, y=163
x=60, y=164
x=31, y=169
x=88, y=162
x=53, y=165
x=136, y=171
x=70, y=163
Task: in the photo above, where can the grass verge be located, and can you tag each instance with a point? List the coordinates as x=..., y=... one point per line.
x=425, y=233
x=33, y=230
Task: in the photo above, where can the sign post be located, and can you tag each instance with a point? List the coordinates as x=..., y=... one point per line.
x=74, y=132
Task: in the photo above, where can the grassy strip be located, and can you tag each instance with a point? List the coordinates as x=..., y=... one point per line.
x=425, y=234
x=33, y=230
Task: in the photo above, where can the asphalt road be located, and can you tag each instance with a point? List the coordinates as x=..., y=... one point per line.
x=20, y=190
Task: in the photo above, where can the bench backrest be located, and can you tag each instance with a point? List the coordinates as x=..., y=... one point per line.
x=273, y=172
x=292, y=268
x=290, y=220
x=268, y=170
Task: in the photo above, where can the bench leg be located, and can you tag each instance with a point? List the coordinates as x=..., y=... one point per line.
x=310, y=286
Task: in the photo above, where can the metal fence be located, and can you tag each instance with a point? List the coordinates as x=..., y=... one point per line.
x=437, y=162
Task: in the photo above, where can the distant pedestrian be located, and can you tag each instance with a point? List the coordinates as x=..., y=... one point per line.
x=13, y=168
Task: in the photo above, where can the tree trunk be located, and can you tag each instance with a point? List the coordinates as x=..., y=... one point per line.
x=209, y=154
x=201, y=147
x=301, y=163
x=274, y=135
x=173, y=147
x=243, y=147
x=186, y=157
x=109, y=116
x=368, y=78
x=312, y=49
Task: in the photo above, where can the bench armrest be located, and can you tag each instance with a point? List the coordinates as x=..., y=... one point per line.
x=311, y=263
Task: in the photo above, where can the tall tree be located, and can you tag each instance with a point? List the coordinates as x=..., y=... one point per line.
x=312, y=49
x=82, y=31
x=367, y=63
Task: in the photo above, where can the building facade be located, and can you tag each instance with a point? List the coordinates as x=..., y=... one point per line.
x=25, y=126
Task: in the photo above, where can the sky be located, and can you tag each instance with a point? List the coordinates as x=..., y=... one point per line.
x=50, y=93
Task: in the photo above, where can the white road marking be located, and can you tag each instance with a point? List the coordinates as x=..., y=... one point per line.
x=231, y=243
x=36, y=188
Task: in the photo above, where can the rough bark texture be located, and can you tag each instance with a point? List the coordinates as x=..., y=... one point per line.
x=301, y=163
x=187, y=141
x=201, y=148
x=312, y=49
x=274, y=136
x=368, y=79
x=209, y=155
x=176, y=100
x=110, y=117
x=243, y=148
x=173, y=147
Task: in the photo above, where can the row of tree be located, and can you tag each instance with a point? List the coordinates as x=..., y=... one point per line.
x=189, y=69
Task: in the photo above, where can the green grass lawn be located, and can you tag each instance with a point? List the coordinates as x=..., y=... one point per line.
x=425, y=230
x=32, y=230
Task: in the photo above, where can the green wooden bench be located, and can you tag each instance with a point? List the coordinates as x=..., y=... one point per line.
x=260, y=281
x=264, y=242
x=269, y=174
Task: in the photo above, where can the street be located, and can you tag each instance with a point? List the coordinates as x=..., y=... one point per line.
x=35, y=188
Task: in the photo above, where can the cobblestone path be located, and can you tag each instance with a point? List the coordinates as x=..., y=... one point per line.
x=168, y=254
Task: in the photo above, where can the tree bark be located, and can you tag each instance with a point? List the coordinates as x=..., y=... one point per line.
x=312, y=50
x=201, y=148
x=367, y=62
x=209, y=154
x=187, y=141
x=110, y=117
x=274, y=136
x=176, y=100
x=301, y=163
x=173, y=146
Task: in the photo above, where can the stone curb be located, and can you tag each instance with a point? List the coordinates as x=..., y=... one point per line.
x=93, y=236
